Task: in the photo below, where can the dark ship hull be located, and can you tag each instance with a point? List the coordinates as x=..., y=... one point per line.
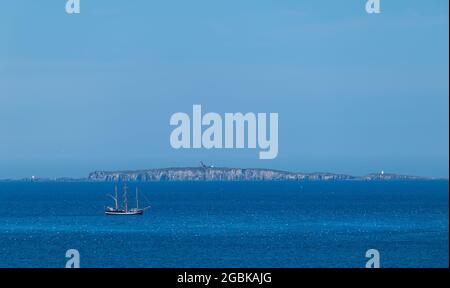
x=110, y=211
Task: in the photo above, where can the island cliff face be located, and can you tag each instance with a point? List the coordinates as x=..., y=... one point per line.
x=230, y=174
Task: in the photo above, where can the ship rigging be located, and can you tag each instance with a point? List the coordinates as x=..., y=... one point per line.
x=124, y=210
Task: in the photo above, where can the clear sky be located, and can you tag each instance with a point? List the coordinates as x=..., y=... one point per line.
x=356, y=93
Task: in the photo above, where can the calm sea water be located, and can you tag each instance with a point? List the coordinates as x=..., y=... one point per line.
x=233, y=224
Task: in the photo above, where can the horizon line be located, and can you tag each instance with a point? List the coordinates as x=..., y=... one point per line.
x=202, y=166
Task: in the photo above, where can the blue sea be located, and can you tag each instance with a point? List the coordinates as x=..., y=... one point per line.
x=227, y=224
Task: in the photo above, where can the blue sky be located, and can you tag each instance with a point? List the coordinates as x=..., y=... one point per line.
x=355, y=93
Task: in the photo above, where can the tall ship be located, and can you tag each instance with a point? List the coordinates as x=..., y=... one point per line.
x=124, y=210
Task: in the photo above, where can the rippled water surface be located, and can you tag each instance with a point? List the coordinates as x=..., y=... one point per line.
x=231, y=224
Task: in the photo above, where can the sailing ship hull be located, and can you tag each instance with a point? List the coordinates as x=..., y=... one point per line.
x=137, y=212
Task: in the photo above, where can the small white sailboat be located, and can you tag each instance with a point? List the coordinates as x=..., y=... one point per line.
x=124, y=210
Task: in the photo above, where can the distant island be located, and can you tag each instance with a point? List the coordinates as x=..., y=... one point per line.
x=211, y=173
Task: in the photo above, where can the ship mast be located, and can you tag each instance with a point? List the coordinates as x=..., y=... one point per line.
x=137, y=198
x=115, y=198
x=125, y=200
